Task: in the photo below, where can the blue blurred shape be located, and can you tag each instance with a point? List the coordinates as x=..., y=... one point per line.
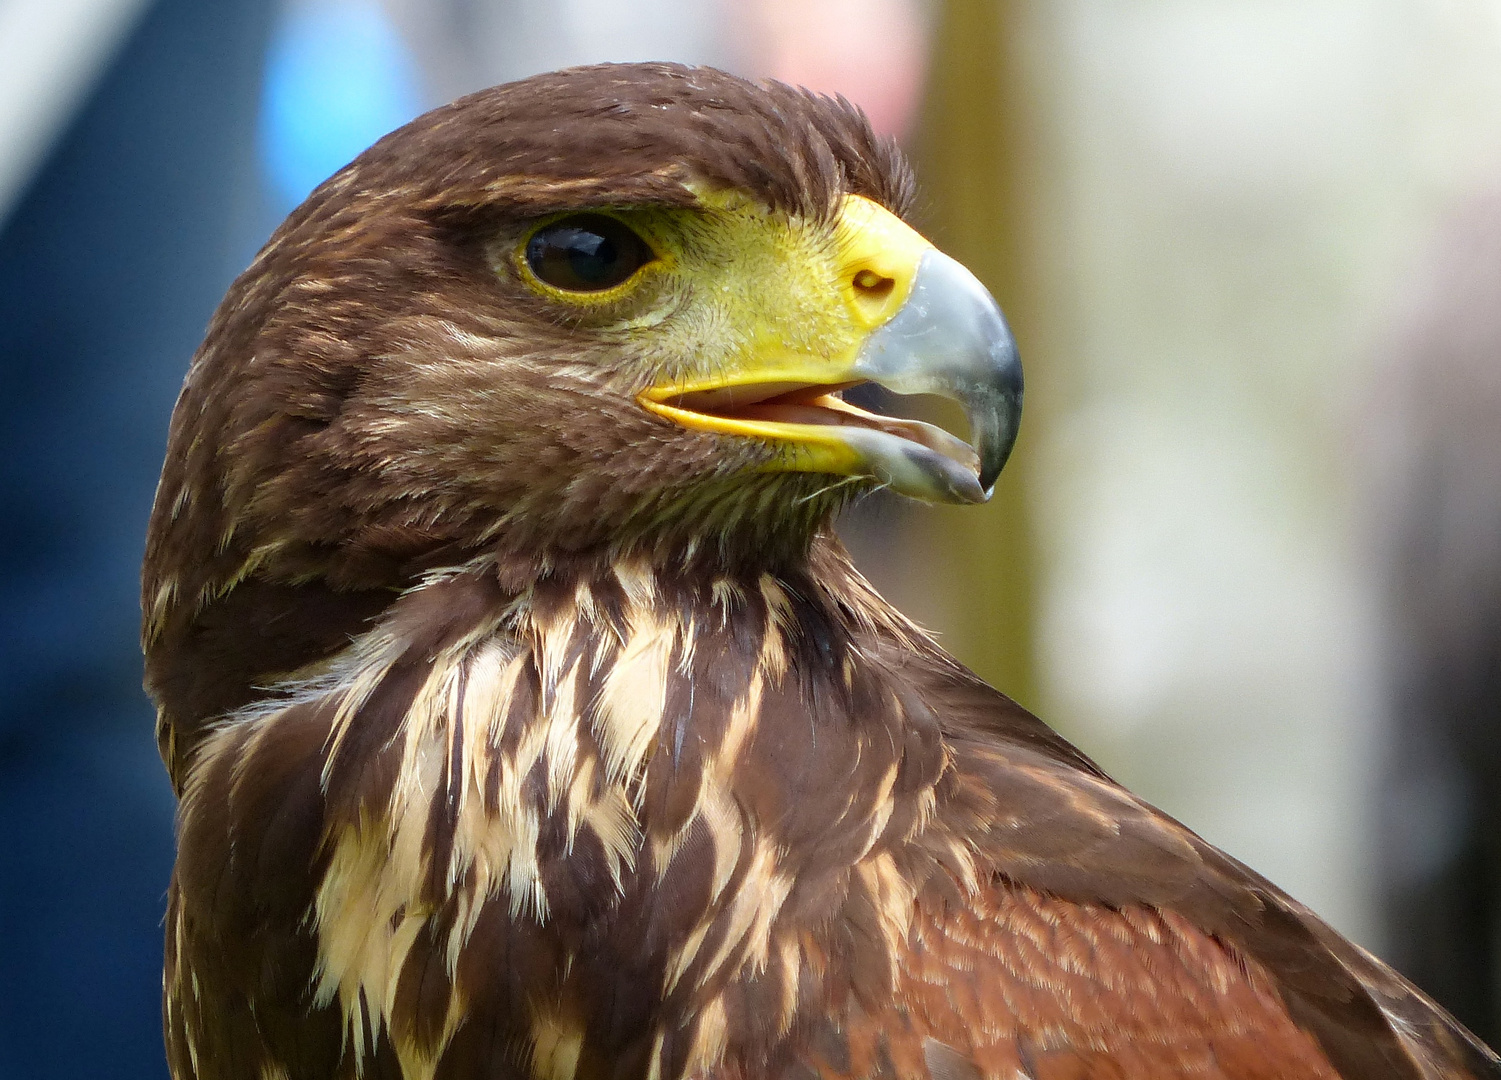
x=338, y=77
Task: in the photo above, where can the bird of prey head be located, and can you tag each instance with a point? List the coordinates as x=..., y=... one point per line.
x=597, y=309
x=527, y=720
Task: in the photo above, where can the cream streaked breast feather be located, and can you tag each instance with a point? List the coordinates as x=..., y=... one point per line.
x=508, y=761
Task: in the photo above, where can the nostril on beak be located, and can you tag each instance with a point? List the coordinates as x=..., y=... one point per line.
x=873, y=293
x=872, y=287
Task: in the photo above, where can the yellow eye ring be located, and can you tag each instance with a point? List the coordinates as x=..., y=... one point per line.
x=587, y=256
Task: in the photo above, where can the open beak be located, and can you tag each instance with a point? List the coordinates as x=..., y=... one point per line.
x=925, y=325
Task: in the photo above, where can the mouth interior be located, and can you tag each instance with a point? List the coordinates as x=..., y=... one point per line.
x=819, y=404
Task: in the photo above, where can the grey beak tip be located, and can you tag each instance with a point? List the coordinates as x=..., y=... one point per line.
x=994, y=453
x=995, y=414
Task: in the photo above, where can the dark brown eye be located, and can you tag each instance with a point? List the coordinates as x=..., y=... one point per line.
x=586, y=253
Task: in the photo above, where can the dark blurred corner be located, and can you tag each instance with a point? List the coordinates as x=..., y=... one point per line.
x=110, y=265
x=1435, y=500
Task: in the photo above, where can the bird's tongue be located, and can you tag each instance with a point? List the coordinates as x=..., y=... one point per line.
x=807, y=407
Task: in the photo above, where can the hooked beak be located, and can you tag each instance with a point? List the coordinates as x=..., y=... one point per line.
x=950, y=339
x=927, y=326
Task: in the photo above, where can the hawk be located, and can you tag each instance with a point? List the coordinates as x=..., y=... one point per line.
x=529, y=722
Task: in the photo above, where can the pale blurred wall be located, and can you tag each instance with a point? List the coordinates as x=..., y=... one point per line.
x=1229, y=194
x=465, y=45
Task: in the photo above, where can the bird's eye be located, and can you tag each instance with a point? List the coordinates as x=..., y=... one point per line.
x=586, y=253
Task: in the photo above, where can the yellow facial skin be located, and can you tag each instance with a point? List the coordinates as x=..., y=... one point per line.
x=844, y=284
x=744, y=304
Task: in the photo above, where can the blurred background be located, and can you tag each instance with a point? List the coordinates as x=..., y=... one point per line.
x=1248, y=552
